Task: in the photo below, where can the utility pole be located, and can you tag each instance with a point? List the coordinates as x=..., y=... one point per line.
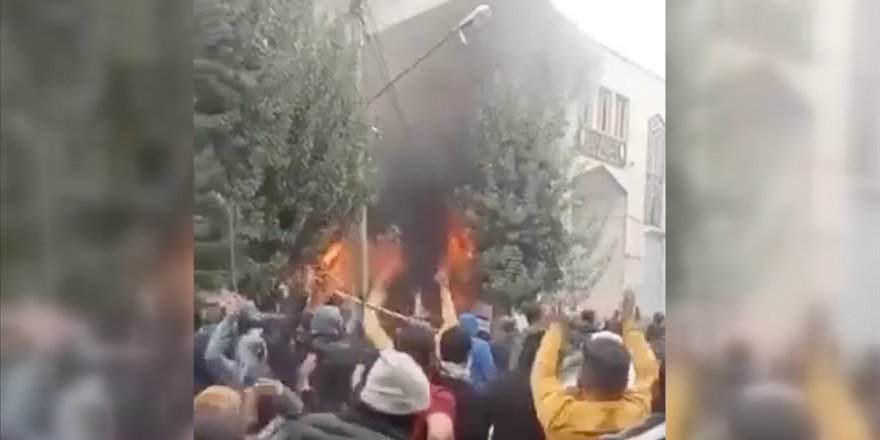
x=356, y=28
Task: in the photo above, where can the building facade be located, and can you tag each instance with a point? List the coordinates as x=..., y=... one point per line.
x=793, y=145
x=616, y=120
x=619, y=137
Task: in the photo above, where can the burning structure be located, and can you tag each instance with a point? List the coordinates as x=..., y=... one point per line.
x=336, y=269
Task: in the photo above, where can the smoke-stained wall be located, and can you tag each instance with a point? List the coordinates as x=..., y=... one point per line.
x=425, y=120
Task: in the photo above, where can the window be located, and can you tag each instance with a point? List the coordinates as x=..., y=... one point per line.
x=621, y=117
x=655, y=172
x=654, y=203
x=603, y=123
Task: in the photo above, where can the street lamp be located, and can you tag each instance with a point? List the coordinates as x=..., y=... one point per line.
x=479, y=14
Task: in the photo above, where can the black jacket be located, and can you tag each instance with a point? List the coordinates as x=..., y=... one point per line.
x=501, y=349
x=471, y=421
x=331, y=380
x=356, y=423
x=511, y=410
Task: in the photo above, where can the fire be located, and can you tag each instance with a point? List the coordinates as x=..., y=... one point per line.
x=336, y=267
x=335, y=272
x=458, y=261
x=386, y=258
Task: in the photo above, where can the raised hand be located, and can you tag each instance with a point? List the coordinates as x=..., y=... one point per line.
x=628, y=306
x=442, y=279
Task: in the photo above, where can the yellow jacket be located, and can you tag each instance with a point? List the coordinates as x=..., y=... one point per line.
x=566, y=416
x=837, y=415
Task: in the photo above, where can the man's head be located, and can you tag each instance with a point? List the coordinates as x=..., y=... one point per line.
x=211, y=311
x=606, y=367
x=455, y=345
x=326, y=321
x=217, y=425
x=217, y=414
x=469, y=323
x=418, y=342
x=508, y=326
x=534, y=313
x=770, y=411
x=588, y=316
x=659, y=318
x=396, y=385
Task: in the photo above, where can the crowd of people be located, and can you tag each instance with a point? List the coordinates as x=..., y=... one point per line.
x=318, y=375
x=321, y=375
x=311, y=375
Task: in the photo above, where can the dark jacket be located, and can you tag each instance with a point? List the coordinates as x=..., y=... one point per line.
x=510, y=409
x=331, y=380
x=471, y=420
x=357, y=423
x=501, y=349
x=517, y=347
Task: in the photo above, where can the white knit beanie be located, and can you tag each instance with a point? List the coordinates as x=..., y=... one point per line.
x=396, y=385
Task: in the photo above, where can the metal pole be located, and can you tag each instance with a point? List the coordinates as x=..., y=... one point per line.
x=231, y=214
x=356, y=22
x=464, y=23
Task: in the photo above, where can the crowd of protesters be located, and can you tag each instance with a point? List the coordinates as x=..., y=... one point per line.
x=314, y=376
x=311, y=375
x=318, y=375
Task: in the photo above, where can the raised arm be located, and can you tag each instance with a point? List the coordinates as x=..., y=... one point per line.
x=222, y=339
x=552, y=403
x=372, y=328
x=827, y=390
x=447, y=306
x=643, y=359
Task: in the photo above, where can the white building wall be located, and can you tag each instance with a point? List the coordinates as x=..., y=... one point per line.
x=647, y=97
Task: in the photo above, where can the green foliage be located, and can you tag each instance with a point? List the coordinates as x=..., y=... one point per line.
x=517, y=206
x=95, y=147
x=277, y=110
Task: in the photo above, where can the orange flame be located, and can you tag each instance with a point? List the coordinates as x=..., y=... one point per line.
x=458, y=261
x=335, y=272
x=335, y=267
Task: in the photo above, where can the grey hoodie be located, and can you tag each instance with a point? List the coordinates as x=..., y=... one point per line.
x=250, y=354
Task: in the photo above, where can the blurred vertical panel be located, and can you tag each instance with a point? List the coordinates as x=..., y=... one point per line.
x=95, y=177
x=775, y=133
x=774, y=189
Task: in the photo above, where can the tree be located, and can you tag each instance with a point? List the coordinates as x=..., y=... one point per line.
x=517, y=205
x=278, y=110
x=95, y=149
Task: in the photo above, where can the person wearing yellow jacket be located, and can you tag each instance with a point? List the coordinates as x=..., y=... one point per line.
x=833, y=412
x=603, y=402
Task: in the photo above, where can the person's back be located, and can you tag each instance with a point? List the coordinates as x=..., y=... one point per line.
x=335, y=361
x=502, y=345
x=482, y=365
x=607, y=400
x=394, y=391
x=510, y=410
x=534, y=314
x=471, y=422
x=329, y=426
